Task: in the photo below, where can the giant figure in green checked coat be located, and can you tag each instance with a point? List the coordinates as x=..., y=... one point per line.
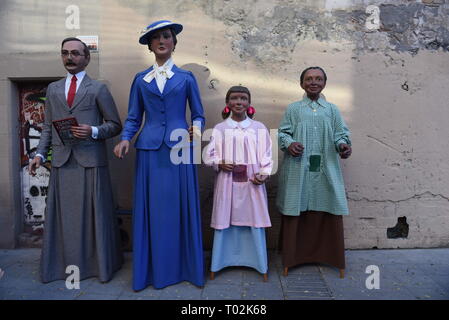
x=311, y=194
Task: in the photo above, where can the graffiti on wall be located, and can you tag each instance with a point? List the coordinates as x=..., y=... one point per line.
x=34, y=189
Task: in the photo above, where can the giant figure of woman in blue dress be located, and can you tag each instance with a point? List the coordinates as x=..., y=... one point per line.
x=167, y=239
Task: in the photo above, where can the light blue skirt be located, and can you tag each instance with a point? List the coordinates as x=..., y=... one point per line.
x=240, y=246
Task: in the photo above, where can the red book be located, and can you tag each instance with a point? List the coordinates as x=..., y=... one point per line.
x=63, y=129
x=239, y=173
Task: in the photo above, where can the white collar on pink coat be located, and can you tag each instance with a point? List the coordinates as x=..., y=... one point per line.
x=242, y=124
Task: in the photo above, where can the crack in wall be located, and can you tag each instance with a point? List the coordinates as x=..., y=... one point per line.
x=416, y=196
x=386, y=144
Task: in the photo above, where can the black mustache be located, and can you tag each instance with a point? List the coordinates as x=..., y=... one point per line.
x=70, y=64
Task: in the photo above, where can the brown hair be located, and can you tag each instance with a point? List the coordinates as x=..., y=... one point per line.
x=86, y=49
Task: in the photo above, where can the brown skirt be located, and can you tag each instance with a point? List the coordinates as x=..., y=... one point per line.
x=312, y=237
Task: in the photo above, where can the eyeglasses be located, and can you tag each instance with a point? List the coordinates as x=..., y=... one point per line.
x=73, y=53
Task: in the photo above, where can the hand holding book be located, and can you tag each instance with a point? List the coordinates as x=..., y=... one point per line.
x=63, y=128
x=83, y=131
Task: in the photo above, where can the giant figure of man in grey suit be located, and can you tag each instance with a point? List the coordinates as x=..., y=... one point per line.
x=80, y=226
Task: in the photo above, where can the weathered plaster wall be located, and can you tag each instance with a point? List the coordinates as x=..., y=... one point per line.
x=389, y=82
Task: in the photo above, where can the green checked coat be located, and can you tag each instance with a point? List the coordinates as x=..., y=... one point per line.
x=319, y=127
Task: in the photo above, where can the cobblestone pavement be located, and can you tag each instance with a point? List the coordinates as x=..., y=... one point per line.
x=404, y=274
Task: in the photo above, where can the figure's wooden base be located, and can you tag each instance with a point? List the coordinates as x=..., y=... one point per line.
x=265, y=276
x=342, y=273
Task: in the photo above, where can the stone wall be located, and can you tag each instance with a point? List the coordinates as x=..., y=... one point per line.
x=387, y=66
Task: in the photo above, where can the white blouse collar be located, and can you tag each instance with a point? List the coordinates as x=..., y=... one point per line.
x=166, y=66
x=242, y=124
x=162, y=72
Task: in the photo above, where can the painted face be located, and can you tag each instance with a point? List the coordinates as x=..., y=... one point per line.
x=313, y=82
x=161, y=43
x=73, y=58
x=238, y=102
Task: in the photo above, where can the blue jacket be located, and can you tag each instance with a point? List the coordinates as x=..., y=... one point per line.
x=163, y=112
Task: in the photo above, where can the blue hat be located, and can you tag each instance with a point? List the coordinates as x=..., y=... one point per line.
x=161, y=24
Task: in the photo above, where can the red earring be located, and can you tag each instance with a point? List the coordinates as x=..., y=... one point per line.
x=226, y=110
x=251, y=110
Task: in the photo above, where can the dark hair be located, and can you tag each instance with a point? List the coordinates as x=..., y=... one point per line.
x=173, y=34
x=86, y=49
x=312, y=68
x=237, y=89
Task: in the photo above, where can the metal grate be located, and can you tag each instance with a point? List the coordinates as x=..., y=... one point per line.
x=305, y=282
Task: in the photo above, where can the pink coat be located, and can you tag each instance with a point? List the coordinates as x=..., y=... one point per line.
x=240, y=203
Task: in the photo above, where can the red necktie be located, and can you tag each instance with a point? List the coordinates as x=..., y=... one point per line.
x=72, y=91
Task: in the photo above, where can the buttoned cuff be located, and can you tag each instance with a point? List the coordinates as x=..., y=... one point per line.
x=198, y=123
x=265, y=171
x=340, y=141
x=94, y=132
x=285, y=141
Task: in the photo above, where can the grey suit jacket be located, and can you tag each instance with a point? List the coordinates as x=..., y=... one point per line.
x=93, y=105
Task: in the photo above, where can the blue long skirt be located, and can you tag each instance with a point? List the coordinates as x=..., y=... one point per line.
x=240, y=246
x=167, y=239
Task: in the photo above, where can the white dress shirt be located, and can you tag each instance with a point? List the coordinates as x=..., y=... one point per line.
x=79, y=77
